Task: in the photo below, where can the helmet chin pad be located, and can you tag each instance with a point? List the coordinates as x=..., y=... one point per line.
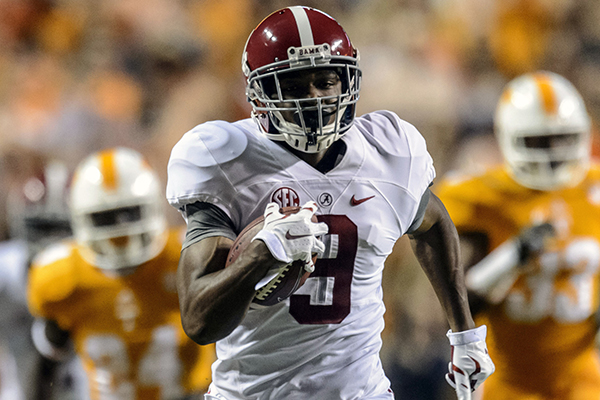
x=115, y=249
x=307, y=132
x=549, y=175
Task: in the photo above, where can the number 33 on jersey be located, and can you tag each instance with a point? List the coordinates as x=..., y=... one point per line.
x=553, y=301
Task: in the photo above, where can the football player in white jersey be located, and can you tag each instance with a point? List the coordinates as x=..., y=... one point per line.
x=369, y=178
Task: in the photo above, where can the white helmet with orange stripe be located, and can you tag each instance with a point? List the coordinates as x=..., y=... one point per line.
x=544, y=131
x=117, y=210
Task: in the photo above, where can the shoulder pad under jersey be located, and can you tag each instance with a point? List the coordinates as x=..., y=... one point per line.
x=195, y=163
x=392, y=134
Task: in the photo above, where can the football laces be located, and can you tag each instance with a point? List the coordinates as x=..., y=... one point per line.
x=262, y=293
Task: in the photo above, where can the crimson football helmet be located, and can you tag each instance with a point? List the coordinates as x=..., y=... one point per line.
x=291, y=40
x=544, y=131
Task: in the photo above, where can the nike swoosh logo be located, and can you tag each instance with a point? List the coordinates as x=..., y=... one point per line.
x=289, y=236
x=354, y=201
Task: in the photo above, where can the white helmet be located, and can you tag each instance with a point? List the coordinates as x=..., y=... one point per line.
x=543, y=130
x=117, y=210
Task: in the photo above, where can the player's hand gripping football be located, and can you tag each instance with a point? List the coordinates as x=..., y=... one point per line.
x=294, y=236
x=471, y=363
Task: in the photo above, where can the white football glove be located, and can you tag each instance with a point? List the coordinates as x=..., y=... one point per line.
x=293, y=237
x=471, y=363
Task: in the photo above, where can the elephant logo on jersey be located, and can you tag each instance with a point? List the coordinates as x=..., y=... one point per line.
x=325, y=199
x=286, y=197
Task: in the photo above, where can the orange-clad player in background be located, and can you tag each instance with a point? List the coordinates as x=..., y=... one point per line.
x=530, y=231
x=111, y=292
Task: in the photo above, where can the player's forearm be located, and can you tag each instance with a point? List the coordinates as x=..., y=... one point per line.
x=212, y=305
x=437, y=250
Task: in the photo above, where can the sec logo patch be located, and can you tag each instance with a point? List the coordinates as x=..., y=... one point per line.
x=286, y=197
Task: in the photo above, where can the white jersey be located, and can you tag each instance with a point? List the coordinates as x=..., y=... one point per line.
x=324, y=341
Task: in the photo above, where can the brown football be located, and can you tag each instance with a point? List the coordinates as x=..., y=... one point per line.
x=291, y=277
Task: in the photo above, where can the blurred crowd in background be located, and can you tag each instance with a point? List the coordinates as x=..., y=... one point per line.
x=77, y=76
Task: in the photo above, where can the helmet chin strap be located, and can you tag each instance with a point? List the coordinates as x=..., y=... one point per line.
x=311, y=138
x=312, y=122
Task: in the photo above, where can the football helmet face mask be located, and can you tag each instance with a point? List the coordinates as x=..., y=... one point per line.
x=117, y=210
x=301, y=40
x=543, y=130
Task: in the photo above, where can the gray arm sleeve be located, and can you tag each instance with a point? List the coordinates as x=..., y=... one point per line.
x=206, y=220
x=420, y=212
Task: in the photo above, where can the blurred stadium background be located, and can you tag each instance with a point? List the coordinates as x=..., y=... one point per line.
x=77, y=76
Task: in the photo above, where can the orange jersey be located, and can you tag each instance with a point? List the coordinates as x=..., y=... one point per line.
x=127, y=330
x=546, y=324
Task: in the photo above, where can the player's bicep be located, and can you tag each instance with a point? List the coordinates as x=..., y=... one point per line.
x=202, y=258
x=209, y=236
